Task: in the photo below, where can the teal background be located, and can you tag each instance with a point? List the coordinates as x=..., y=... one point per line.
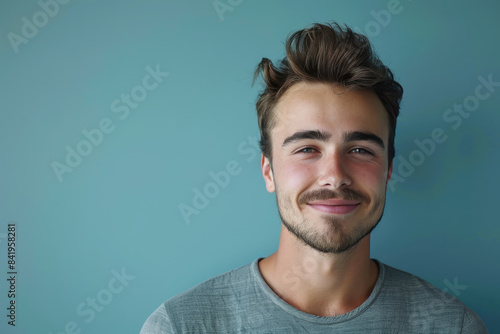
x=119, y=208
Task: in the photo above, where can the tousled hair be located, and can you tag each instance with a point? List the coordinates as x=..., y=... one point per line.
x=326, y=53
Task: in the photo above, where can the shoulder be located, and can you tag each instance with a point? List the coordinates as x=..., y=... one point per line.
x=225, y=285
x=193, y=307
x=415, y=290
x=158, y=322
x=426, y=304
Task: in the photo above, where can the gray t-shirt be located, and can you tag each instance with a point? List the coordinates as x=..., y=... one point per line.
x=240, y=301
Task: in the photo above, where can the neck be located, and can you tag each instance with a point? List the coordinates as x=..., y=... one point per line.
x=323, y=284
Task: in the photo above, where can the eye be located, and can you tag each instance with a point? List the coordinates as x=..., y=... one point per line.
x=360, y=150
x=306, y=150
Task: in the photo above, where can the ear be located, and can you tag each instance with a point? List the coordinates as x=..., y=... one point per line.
x=267, y=173
x=389, y=172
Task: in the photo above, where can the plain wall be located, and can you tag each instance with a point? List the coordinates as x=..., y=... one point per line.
x=117, y=209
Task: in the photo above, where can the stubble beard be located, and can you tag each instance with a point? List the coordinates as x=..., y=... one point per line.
x=336, y=235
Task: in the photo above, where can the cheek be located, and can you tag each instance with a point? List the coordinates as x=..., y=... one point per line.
x=295, y=177
x=370, y=176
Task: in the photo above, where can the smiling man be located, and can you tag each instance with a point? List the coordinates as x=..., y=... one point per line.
x=327, y=118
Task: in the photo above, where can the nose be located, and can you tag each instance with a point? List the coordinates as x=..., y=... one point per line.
x=334, y=172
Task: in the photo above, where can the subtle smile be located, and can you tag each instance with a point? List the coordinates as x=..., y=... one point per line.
x=334, y=206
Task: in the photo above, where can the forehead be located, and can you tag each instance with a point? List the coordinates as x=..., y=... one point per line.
x=332, y=109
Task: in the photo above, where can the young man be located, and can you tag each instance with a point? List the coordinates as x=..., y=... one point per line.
x=327, y=119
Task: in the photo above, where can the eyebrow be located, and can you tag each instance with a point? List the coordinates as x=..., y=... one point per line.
x=324, y=136
x=308, y=134
x=364, y=136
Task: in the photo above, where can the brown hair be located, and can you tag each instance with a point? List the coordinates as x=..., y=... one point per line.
x=330, y=54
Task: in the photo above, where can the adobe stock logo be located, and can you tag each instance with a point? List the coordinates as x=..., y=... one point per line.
x=87, y=309
x=95, y=137
x=202, y=196
x=455, y=115
x=382, y=18
x=439, y=306
x=30, y=28
x=222, y=7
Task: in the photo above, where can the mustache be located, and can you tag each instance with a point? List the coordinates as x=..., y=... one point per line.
x=326, y=194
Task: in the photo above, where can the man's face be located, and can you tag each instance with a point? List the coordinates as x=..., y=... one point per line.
x=329, y=164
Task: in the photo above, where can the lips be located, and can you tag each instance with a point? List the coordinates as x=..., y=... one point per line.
x=335, y=206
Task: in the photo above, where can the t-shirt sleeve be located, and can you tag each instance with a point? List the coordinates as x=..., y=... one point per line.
x=472, y=323
x=158, y=323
